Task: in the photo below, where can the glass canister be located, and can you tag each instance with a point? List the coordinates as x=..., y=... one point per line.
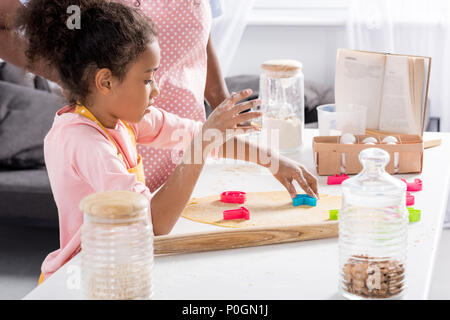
x=116, y=246
x=373, y=224
x=281, y=89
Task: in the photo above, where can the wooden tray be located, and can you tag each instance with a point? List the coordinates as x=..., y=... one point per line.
x=241, y=238
x=273, y=219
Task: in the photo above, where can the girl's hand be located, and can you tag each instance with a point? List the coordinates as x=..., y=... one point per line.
x=226, y=117
x=289, y=171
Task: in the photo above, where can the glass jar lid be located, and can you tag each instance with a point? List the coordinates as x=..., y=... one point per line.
x=115, y=205
x=281, y=68
x=373, y=186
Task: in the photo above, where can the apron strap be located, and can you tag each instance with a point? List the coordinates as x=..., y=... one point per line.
x=83, y=111
x=138, y=170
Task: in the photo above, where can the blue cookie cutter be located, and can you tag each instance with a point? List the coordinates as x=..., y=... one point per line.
x=304, y=199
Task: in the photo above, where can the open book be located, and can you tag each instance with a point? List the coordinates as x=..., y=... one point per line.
x=392, y=87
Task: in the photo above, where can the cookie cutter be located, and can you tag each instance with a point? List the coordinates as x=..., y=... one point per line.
x=414, y=214
x=334, y=214
x=409, y=199
x=302, y=199
x=241, y=213
x=413, y=186
x=337, y=178
x=233, y=197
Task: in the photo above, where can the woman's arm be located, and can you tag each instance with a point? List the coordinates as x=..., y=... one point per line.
x=216, y=89
x=12, y=48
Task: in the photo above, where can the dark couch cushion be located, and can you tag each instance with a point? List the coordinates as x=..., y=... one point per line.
x=12, y=74
x=25, y=195
x=26, y=116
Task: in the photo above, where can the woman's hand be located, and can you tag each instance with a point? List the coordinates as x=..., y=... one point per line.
x=289, y=170
x=226, y=117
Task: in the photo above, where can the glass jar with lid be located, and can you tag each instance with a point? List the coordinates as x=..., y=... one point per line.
x=281, y=89
x=116, y=246
x=373, y=231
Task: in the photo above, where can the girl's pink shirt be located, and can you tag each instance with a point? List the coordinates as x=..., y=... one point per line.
x=81, y=160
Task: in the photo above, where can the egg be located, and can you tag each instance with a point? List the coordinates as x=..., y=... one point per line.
x=347, y=138
x=370, y=140
x=390, y=140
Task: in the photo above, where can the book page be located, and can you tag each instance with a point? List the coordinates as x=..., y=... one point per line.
x=359, y=80
x=425, y=106
x=414, y=93
x=419, y=89
x=398, y=112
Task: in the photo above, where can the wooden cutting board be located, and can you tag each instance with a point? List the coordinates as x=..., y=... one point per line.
x=273, y=219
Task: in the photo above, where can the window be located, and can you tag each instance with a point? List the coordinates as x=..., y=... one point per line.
x=299, y=12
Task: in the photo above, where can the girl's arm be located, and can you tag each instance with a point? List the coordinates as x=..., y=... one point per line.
x=169, y=201
x=283, y=169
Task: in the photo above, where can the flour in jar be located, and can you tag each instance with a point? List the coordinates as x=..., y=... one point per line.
x=290, y=131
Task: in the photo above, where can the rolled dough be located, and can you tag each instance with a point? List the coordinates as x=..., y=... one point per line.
x=267, y=209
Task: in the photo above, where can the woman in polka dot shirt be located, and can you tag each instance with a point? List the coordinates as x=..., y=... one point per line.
x=188, y=74
x=189, y=71
x=91, y=146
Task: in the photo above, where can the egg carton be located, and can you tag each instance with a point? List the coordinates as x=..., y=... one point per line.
x=332, y=157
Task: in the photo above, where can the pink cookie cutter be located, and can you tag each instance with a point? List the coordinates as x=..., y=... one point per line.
x=241, y=213
x=233, y=197
x=337, y=179
x=409, y=199
x=413, y=186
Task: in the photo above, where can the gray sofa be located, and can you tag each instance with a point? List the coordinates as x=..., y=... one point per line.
x=27, y=108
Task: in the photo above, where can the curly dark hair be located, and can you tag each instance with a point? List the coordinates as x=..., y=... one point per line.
x=111, y=35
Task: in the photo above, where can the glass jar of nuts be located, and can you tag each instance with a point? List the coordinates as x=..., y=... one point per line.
x=373, y=231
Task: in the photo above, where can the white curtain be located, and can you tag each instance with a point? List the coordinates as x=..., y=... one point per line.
x=416, y=27
x=227, y=30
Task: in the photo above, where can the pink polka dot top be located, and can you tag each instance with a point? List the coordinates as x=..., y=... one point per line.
x=183, y=30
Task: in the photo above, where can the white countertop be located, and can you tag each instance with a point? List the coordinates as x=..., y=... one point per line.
x=299, y=270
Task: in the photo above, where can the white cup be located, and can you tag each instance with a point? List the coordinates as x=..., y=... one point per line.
x=326, y=116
